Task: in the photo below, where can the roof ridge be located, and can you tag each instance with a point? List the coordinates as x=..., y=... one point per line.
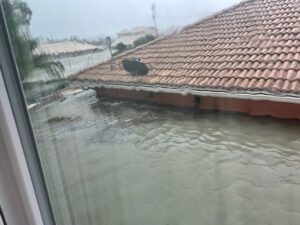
x=241, y=3
x=218, y=13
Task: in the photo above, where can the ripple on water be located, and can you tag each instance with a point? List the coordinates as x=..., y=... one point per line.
x=144, y=164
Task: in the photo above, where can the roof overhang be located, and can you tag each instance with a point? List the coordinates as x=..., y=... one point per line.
x=188, y=90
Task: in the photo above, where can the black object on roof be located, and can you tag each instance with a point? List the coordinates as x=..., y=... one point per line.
x=135, y=67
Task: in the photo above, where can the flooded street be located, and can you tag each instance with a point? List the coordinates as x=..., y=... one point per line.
x=111, y=163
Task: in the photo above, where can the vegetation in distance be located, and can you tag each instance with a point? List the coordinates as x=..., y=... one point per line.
x=18, y=16
x=121, y=47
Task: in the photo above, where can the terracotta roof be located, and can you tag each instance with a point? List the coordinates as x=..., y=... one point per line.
x=251, y=47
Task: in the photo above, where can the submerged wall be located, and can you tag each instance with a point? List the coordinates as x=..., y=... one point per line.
x=251, y=107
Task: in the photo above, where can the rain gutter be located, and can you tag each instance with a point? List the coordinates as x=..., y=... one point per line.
x=254, y=95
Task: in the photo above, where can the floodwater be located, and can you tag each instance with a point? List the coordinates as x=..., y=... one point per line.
x=120, y=163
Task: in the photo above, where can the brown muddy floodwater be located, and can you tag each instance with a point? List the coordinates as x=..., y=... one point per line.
x=120, y=163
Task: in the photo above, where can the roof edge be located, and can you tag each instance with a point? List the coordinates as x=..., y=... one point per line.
x=267, y=96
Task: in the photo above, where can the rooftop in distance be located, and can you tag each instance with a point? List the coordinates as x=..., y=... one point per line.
x=66, y=47
x=128, y=36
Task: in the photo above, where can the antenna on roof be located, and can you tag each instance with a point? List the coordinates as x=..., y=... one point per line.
x=135, y=67
x=108, y=43
x=154, y=15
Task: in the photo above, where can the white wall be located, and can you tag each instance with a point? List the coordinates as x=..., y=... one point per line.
x=9, y=195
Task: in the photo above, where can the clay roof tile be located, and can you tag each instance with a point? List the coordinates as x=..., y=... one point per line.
x=254, y=45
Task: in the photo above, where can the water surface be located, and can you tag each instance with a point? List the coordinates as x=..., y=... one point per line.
x=111, y=163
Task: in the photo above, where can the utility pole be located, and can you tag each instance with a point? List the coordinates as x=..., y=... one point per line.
x=108, y=43
x=154, y=15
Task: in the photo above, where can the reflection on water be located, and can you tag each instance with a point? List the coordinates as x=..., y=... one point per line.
x=115, y=163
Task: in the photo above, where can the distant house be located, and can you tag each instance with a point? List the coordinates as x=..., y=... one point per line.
x=74, y=56
x=67, y=48
x=137, y=31
x=244, y=59
x=129, y=36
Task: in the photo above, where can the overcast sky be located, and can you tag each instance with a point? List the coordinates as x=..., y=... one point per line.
x=91, y=18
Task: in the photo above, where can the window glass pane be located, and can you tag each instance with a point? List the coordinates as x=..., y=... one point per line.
x=166, y=112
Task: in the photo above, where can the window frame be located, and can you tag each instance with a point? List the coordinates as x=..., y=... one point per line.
x=20, y=120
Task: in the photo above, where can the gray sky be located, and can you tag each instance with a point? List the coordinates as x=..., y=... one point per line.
x=90, y=18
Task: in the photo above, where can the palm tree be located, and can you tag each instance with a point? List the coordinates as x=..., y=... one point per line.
x=18, y=17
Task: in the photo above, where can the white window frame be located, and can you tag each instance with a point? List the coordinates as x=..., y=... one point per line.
x=17, y=194
x=23, y=191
